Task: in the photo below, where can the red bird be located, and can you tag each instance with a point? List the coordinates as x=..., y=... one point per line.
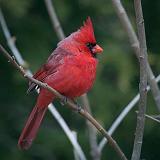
x=70, y=69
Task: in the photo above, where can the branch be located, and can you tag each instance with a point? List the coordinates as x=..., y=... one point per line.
x=71, y=105
x=67, y=131
x=143, y=82
x=11, y=41
x=118, y=120
x=95, y=152
x=156, y=117
x=151, y=117
x=76, y=156
x=135, y=45
x=121, y=116
x=54, y=19
x=151, y=78
x=51, y=107
x=60, y=34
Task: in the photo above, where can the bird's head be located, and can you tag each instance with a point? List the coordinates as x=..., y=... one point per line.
x=84, y=39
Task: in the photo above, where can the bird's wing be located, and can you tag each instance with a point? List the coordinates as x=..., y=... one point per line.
x=39, y=75
x=54, y=61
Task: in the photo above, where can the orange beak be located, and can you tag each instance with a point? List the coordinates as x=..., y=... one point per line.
x=97, y=49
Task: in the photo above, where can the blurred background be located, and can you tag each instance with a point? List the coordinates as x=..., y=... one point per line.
x=116, y=84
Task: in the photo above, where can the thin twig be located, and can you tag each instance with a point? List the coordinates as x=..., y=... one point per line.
x=95, y=152
x=54, y=19
x=122, y=115
x=135, y=45
x=67, y=131
x=151, y=78
x=71, y=105
x=156, y=116
x=60, y=34
x=143, y=82
x=11, y=41
x=76, y=156
x=51, y=107
x=118, y=120
x=151, y=117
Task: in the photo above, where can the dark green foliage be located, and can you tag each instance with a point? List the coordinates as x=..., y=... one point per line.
x=116, y=83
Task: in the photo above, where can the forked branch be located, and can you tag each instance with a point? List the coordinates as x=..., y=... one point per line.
x=122, y=115
x=121, y=13
x=120, y=10
x=143, y=82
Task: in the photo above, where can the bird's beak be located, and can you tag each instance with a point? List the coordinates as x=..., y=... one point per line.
x=97, y=49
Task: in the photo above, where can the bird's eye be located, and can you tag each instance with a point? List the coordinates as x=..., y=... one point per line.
x=90, y=45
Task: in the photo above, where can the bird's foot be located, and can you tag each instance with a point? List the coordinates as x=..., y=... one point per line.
x=64, y=101
x=79, y=108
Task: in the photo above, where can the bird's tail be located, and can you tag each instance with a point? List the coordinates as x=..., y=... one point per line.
x=32, y=125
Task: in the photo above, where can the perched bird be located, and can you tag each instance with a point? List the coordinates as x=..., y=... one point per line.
x=70, y=69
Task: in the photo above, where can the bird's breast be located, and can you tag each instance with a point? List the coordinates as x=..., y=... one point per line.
x=84, y=73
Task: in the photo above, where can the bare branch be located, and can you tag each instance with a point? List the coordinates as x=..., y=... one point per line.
x=121, y=116
x=10, y=41
x=118, y=120
x=71, y=105
x=151, y=117
x=76, y=156
x=54, y=19
x=152, y=81
x=95, y=152
x=51, y=107
x=60, y=34
x=67, y=131
x=143, y=82
x=156, y=116
x=135, y=45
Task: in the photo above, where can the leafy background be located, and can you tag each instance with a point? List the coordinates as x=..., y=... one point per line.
x=116, y=83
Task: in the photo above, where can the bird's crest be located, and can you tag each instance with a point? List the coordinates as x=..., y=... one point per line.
x=85, y=33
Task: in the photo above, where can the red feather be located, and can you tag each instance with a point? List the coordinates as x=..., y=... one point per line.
x=31, y=127
x=70, y=69
x=85, y=33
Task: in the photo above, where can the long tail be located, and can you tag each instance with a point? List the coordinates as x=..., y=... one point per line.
x=32, y=125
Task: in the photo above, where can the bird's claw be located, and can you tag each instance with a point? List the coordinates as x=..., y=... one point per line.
x=64, y=101
x=79, y=108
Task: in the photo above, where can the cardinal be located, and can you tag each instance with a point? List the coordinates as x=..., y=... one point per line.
x=70, y=69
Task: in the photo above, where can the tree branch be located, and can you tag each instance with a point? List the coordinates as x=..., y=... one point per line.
x=76, y=156
x=71, y=105
x=121, y=116
x=51, y=107
x=143, y=82
x=95, y=152
x=60, y=34
x=118, y=120
x=54, y=19
x=151, y=117
x=151, y=78
x=135, y=45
